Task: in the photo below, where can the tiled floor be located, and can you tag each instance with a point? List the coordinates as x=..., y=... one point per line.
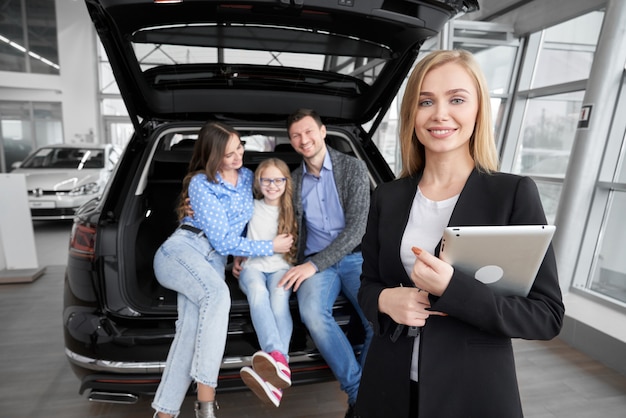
x=36, y=380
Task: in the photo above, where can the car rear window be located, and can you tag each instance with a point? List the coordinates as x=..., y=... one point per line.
x=315, y=60
x=172, y=152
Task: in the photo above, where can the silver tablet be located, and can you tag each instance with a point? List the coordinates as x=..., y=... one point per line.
x=506, y=258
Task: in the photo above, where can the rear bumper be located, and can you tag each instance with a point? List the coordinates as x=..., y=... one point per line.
x=126, y=382
x=149, y=367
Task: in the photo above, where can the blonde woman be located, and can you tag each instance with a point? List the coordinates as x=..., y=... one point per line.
x=442, y=340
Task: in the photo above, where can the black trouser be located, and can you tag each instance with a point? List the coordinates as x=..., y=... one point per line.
x=414, y=399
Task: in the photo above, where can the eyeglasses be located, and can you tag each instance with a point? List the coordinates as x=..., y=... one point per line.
x=278, y=181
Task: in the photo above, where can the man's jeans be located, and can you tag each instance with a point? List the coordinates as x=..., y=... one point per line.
x=187, y=264
x=269, y=308
x=316, y=297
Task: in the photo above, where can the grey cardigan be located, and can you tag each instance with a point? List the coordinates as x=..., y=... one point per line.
x=352, y=182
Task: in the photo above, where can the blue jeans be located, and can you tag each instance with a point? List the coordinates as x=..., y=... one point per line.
x=188, y=264
x=316, y=297
x=269, y=308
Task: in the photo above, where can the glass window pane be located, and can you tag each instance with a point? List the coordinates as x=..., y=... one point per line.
x=498, y=107
x=16, y=132
x=119, y=133
x=356, y=62
x=622, y=169
x=108, y=85
x=284, y=59
x=497, y=64
x=114, y=107
x=609, y=276
x=151, y=55
x=550, y=193
x=48, y=122
x=12, y=43
x=29, y=45
x=548, y=132
x=25, y=126
x=386, y=136
x=560, y=64
x=567, y=50
x=42, y=37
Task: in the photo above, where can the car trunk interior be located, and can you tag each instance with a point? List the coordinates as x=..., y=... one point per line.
x=156, y=200
x=154, y=219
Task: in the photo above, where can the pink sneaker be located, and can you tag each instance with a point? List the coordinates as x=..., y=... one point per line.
x=264, y=390
x=272, y=367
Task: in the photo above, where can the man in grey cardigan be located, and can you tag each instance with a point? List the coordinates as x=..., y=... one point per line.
x=331, y=200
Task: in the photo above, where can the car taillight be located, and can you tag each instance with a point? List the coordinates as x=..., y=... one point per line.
x=83, y=241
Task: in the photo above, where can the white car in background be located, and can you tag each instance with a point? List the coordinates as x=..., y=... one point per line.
x=61, y=177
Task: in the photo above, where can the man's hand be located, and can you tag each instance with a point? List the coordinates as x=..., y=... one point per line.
x=237, y=265
x=296, y=275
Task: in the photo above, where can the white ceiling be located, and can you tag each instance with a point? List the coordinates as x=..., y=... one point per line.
x=532, y=15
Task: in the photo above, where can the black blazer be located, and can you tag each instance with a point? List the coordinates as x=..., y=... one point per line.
x=466, y=364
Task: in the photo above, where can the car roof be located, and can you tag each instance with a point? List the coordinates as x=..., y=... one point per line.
x=260, y=59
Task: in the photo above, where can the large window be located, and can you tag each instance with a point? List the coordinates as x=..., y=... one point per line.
x=567, y=50
x=117, y=125
x=28, y=37
x=601, y=267
x=609, y=273
x=548, y=134
x=547, y=107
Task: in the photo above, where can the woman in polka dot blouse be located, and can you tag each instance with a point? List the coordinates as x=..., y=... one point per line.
x=192, y=262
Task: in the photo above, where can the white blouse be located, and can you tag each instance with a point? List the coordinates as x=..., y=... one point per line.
x=424, y=229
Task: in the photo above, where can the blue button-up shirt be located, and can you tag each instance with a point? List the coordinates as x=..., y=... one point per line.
x=222, y=211
x=322, y=210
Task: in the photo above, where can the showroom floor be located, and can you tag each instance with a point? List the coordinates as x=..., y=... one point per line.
x=555, y=380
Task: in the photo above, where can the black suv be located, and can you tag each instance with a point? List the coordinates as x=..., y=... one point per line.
x=248, y=63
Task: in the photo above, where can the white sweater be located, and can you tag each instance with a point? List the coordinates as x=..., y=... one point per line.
x=264, y=226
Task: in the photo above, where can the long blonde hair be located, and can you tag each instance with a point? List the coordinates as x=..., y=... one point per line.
x=482, y=142
x=286, y=214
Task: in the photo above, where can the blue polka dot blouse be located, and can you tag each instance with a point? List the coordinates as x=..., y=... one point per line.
x=222, y=211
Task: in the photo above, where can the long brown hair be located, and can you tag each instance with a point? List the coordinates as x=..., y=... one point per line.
x=207, y=156
x=286, y=214
x=482, y=143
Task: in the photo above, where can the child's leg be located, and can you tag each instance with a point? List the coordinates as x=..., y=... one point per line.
x=254, y=284
x=279, y=300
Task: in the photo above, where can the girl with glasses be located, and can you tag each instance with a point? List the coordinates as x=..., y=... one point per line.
x=258, y=279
